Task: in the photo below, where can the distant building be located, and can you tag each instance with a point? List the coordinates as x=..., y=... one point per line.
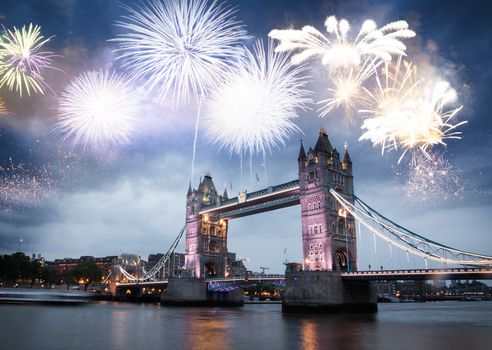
x=62, y=265
x=173, y=267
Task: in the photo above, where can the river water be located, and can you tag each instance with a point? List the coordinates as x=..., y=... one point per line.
x=106, y=325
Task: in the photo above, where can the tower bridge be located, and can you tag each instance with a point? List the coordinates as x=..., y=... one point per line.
x=330, y=212
x=329, y=241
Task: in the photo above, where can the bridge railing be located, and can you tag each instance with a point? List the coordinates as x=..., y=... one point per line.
x=445, y=270
x=246, y=278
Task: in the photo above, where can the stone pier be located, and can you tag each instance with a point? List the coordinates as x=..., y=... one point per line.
x=193, y=292
x=326, y=292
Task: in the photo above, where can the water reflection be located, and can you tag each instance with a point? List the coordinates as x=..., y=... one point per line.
x=114, y=326
x=309, y=335
x=206, y=331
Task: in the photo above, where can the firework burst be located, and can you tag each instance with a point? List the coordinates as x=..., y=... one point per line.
x=350, y=61
x=432, y=177
x=98, y=108
x=338, y=50
x=347, y=91
x=409, y=113
x=254, y=109
x=180, y=47
x=22, y=60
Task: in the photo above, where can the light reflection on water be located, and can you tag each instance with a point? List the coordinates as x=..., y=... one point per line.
x=443, y=325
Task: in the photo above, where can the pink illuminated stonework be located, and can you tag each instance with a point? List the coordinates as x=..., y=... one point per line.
x=206, y=235
x=328, y=233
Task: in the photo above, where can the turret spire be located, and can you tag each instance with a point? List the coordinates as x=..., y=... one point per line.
x=302, y=153
x=347, y=162
x=323, y=144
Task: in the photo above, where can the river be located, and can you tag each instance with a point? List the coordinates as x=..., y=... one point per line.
x=106, y=325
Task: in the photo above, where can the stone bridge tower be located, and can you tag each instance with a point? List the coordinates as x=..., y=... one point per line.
x=206, y=236
x=328, y=232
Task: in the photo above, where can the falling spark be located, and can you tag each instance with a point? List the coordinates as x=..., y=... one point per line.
x=432, y=177
x=254, y=110
x=338, y=50
x=97, y=109
x=21, y=60
x=180, y=47
x=21, y=188
x=409, y=113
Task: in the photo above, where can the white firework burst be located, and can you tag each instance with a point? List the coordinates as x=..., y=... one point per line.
x=180, y=47
x=97, y=109
x=409, y=113
x=338, y=50
x=254, y=109
x=350, y=61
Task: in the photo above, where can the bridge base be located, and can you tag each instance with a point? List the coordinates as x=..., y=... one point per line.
x=193, y=292
x=327, y=292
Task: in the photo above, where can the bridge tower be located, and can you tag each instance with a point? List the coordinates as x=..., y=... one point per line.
x=328, y=232
x=206, y=235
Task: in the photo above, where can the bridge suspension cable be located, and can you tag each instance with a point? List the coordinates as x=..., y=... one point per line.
x=154, y=271
x=406, y=240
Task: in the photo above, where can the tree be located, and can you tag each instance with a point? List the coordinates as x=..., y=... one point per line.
x=68, y=278
x=87, y=271
x=32, y=271
x=50, y=276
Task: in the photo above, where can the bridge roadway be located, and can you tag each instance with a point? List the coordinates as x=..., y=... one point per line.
x=382, y=275
x=273, y=197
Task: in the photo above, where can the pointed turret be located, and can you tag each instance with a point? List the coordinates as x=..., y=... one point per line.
x=347, y=162
x=189, y=190
x=302, y=154
x=225, y=195
x=207, y=189
x=323, y=144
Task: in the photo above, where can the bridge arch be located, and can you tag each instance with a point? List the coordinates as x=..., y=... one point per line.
x=341, y=260
x=211, y=269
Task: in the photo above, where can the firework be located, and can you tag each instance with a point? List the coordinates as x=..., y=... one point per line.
x=409, y=113
x=98, y=108
x=254, y=110
x=432, y=177
x=22, y=61
x=180, y=47
x=21, y=188
x=347, y=91
x=338, y=50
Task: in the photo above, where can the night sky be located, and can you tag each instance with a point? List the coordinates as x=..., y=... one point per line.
x=132, y=199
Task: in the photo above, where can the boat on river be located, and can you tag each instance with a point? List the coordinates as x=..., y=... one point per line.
x=43, y=296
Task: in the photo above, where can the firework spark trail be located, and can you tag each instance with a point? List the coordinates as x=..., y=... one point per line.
x=182, y=47
x=21, y=60
x=254, y=110
x=97, y=109
x=432, y=177
x=409, y=113
x=3, y=108
x=350, y=61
